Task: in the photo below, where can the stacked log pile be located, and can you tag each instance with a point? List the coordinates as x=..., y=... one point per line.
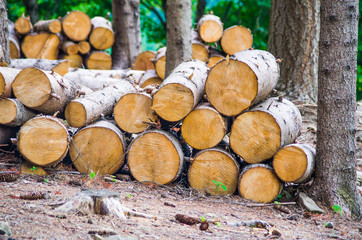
x=219, y=126
x=77, y=38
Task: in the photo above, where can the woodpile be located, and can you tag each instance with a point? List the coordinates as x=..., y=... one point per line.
x=244, y=139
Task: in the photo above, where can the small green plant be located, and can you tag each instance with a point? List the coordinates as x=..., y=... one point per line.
x=128, y=195
x=218, y=224
x=46, y=180
x=33, y=169
x=113, y=178
x=92, y=175
x=202, y=219
x=218, y=184
x=338, y=209
x=276, y=201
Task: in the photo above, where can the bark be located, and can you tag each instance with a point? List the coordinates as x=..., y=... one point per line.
x=32, y=10
x=335, y=178
x=53, y=26
x=127, y=33
x=294, y=37
x=4, y=35
x=179, y=26
x=16, y=112
x=43, y=64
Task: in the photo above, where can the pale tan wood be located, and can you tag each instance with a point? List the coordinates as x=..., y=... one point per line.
x=160, y=62
x=27, y=168
x=199, y=51
x=59, y=66
x=75, y=61
x=155, y=156
x=213, y=60
x=76, y=25
x=214, y=165
x=99, y=147
x=33, y=43
x=62, y=68
x=23, y=25
x=98, y=60
x=84, y=47
x=50, y=48
x=70, y=48
x=204, y=127
x=148, y=78
x=133, y=111
x=210, y=28
x=144, y=61
x=294, y=162
x=236, y=39
x=52, y=26
x=259, y=184
x=102, y=36
x=13, y=42
x=43, y=141
x=7, y=76
x=13, y=113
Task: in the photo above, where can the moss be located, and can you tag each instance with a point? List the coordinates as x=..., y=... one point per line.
x=352, y=201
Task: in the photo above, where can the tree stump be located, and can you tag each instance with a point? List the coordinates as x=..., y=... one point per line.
x=214, y=171
x=236, y=39
x=99, y=147
x=14, y=113
x=210, y=28
x=76, y=25
x=204, y=127
x=235, y=84
x=144, y=61
x=102, y=36
x=43, y=141
x=295, y=162
x=258, y=182
x=258, y=134
x=155, y=156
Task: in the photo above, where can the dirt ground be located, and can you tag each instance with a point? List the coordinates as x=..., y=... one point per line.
x=37, y=219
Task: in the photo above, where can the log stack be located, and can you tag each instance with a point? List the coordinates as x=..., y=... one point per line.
x=244, y=139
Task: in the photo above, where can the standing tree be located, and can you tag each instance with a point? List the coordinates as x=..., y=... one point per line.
x=127, y=34
x=179, y=25
x=200, y=10
x=293, y=37
x=32, y=10
x=335, y=177
x=4, y=35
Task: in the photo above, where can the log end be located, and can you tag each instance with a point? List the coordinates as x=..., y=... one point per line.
x=55, y=26
x=210, y=31
x=99, y=60
x=199, y=52
x=236, y=39
x=76, y=25
x=75, y=114
x=14, y=50
x=213, y=60
x=160, y=67
x=143, y=61
x=101, y=38
x=9, y=107
x=23, y=25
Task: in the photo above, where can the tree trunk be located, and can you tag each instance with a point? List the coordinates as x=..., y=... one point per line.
x=179, y=25
x=4, y=35
x=214, y=171
x=98, y=147
x=14, y=113
x=127, y=33
x=32, y=10
x=335, y=178
x=200, y=11
x=296, y=43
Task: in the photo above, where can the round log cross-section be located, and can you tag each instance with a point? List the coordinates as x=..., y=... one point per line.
x=214, y=171
x=155, y=156
x=14, y=112
x=144, y=61
x=76, y=25
x=210, y=28
x=236, y=39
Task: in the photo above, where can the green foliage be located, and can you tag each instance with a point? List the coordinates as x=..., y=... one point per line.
x=33, y=169
x=46, y=180
x=92, y=175
x=218, y=184
x=113, y=178
x=202, y=219
x=338, y=209
x=218, y=224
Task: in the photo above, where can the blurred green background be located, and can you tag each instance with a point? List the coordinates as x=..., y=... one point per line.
x=253, y=14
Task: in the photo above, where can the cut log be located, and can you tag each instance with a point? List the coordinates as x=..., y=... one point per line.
x=98, y=147
x=84, y=47
x=148, y=78
x=247, y=78
x=41, y=45
x=236, y=39
x=295, y=162
x=98, y=60
x=181, y=91
x=7, y=76
x=90, y=107
x=76, y=25
x=160, y=62
x=258, y=134
x=210, y=28
x=133, y=111
x=75, y=61
x=144, y=61
x=44, y=91
x=214, y=56
x=102, y=36
x=59, y=66
x=258, y=183
x=50, y=49
x=6, y=133
x=70, y=48
x=52, y=26
x=13, y=41
x=155, y=156
x=43, y=141
x=214, y=171
x=14, y=113
x=23, y=25
x=204, y=127
x=199, y=51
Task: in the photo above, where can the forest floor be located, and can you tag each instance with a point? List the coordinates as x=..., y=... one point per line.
x=38, y=219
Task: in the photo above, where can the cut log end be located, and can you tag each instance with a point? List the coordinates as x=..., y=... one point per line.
x=133, y=111
x=155, y=157
x=23, y=25
x=75, y=61
x=255, y=136
x=99, y=60
x=55, y=26
x=160, y=67
x=35, y=81
x=210, y=31
x=62, y=68
x=43, y=141
x=9, y=107
x=199, y=52
x=181, y=104
x=14, y=50
x=215, y=172
x=213, y=60
x=101, y=38
x=76, y=25
x=75, y=114
x=143, y=61
x=231, y=87
x=259, y=184
x=84, y=47
x=150, y=81
x=236, y=39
